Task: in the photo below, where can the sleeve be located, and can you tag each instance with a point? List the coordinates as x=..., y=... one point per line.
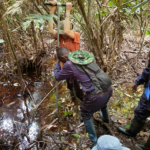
x=64, y=73
x=76, y=37
x=142, y=78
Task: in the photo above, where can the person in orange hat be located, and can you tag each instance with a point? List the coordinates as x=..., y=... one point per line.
x=69, y=39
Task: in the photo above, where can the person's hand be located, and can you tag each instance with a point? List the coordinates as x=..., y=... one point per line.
x=52, y=8
x=134, y=87
x=148, y=56
x=68, y=7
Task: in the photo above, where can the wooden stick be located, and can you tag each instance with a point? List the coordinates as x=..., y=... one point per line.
x=47, y=95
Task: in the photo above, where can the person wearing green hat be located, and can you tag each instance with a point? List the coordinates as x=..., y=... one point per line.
x=95, y=84
x=68, y=38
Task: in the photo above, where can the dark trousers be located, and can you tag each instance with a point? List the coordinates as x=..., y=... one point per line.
x=92, y=104
x=72, y=84
x=142, y=112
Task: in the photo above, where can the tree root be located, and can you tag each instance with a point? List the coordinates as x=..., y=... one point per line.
x=104, y=124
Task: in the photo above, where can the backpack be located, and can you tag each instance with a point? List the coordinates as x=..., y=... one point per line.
x=86, y=63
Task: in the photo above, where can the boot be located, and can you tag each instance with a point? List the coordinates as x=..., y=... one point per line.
x=146, y=146
x=91, y=130
x=104, y=114
x=73, y=97
x=136, y=127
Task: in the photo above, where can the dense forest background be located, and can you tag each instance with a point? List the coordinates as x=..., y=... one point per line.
x=117, y=32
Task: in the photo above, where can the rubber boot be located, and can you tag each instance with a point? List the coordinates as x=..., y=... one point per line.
x=90, y=129
x=136, y=127
x=73, y=97
x=146, y=146
x=104, y=114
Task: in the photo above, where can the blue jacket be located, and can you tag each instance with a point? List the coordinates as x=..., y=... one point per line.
x=144, y=77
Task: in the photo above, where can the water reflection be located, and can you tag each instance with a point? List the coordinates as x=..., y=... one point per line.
x=33, y=130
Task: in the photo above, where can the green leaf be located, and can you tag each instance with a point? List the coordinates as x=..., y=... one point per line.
x=137, y=99
x=127, y=126
x=147, y=33
x=2, y=41
x=26, y=25
x=37, y=25
x=121, y=95
x=52, y=16
x=16, y=29
x=54, y=96
x=110, y=4
x=33, y=16
x=47, y=17
x=41, y=20
x=129, y=104
x=87, y=135
x=139, y=5
x=139, y=95
x=76, y=135
x=65, y=113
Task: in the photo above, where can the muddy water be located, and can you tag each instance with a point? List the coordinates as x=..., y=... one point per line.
x=20, y=122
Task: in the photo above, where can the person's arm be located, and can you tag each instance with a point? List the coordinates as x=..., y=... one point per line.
x=142, y=78
x=67, y=30
x=50, y=24
x=64, y=73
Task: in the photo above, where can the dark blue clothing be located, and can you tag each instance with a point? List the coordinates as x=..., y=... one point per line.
x=144, y=77
x=91, y=103
x=142, y=111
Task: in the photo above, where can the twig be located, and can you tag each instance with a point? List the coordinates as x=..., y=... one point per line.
x=70, y=126
x=80, y=125
x=50, y=125
x=61, y=142
x=29, y=93
x=34, y=36
x=53, y=139
x=130, y=51
x=109, y=16
x=47, y=95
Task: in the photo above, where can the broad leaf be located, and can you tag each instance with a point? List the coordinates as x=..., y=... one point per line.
x=26, y=25
x=139, y=5
x=37, y=25
x=41, y=20
x=2, y=41
x=32, y=16
x=47, y=17
x=53, y=16
x=41, y=28
x=121, y=95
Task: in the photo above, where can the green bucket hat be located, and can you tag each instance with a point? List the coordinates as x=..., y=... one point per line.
x=81, y=57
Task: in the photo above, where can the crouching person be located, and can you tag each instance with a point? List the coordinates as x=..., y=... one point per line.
x=142, y=111
x=108, y=142
x=95, y=84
